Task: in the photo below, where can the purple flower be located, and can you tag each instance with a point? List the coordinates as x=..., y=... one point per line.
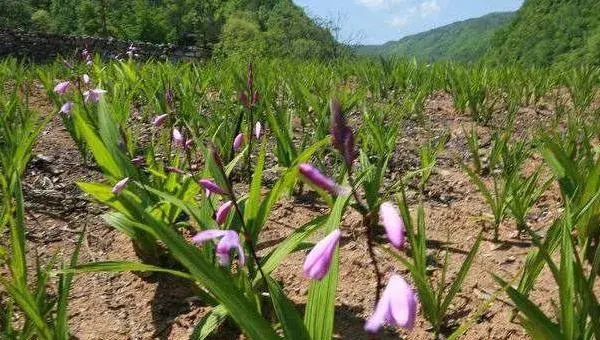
x=211, y=186
x=66, y=108
x=397, y=306
x=342, y=137
x=62, y=88
x=319, y=180
x=67, y=63
x=318, y=260
x=257, y=130
x=393, y=224
x=120, y=186
x=223, y=212
x=178, y=138
x=255, y=98
x=158, y=121
x=188, y=144
x=138, y=161
x=238, y=141
x=244, y=99
x=229, y=240
x=93, y=95
x=86, y=79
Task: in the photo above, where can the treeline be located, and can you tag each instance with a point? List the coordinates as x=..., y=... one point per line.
x=551, y=32
x=254, y=28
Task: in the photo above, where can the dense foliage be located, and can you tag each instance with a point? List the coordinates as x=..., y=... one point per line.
x=465, y=40
x=276, y=28
x=548, y=32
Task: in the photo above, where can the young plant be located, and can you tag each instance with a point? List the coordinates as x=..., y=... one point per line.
x=578, y=311
x=435, y=299
x=42, y=310
x=497, y=197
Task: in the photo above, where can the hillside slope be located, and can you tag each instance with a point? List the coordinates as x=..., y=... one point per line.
x=254, y=28
x=464, y=40
x=551, y=32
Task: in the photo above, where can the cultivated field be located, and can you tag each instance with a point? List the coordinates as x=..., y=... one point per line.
x=277, y=199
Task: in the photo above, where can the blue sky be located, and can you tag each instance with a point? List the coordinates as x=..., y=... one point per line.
x=379, y=21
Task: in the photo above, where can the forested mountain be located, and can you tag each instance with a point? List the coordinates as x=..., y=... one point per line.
x=275, y=28
x=551, y=32
x=464, y=40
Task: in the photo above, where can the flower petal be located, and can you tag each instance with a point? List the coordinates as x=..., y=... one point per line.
x=393, y=224
x=120, y=186
x=403, y=302
x=206, y=235
x=318, y=260
x=223, y=212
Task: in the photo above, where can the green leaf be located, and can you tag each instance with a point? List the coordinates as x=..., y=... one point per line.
x=320, y=307
x=540, y=322
x=291, y=322
x=209, y=323
x=253, y=204
x=104, y=157
x=566, y=283
x=461, y=275
x=64, y=287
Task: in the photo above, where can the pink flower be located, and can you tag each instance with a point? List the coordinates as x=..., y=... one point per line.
x=393, y=224
x=211, y=186
x=397, y=306
x=318, y=260
x=93, y=95
x=62, y=88
x=229, y=240
x=257, y=130
x=86, y=79
x=223, y=212
x=178, y=138
x=120, y=186
x=138, y=161
x=238, y=141
x=66, y=108
x=314, y=176
x=158, y=121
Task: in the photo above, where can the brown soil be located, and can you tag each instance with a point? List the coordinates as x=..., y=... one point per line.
x=128, y=306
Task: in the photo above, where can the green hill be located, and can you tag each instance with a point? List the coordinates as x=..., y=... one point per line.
x=551, y=32
x=275, y=28
x=464, y=40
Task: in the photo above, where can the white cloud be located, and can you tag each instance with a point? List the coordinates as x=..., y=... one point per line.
x=378, y=4
x=399, y=20
x=429, y=7
x=423, y=10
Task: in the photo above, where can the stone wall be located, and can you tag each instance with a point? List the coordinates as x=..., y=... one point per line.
x=41, y=47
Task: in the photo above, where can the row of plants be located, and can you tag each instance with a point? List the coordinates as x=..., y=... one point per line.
x=184, y=148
